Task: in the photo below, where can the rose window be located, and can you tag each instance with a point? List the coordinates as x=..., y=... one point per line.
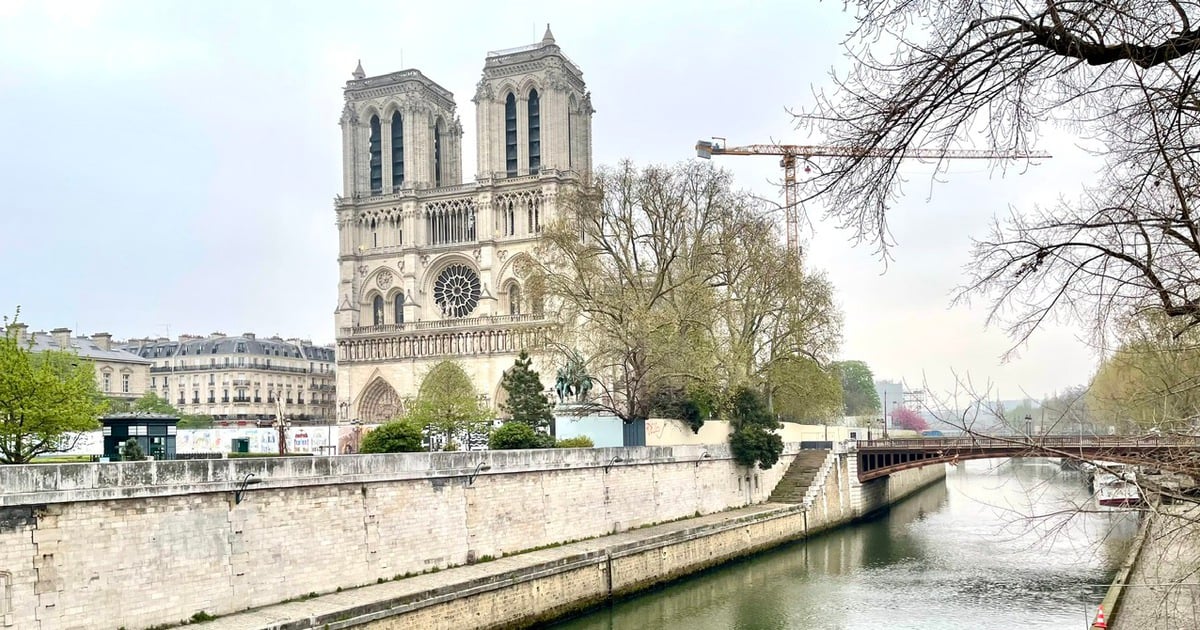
x=456, y=291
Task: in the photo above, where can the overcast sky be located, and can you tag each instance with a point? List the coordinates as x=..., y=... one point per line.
x=169, y=167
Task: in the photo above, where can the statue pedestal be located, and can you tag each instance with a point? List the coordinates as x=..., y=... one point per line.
x=576, y=419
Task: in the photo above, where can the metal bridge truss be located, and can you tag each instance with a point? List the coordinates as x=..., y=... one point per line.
x=880, y=458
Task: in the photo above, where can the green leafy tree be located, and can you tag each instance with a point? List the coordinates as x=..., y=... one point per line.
x=46, y=398
x=858, y=388
x=753, y=439
x=526, y=402
x=153, y=403
x=518, y=435
x=802, y=391
x=676, y=403
x=131, y=451
x=1152, y=380
x=397, y=436
x=447, y=403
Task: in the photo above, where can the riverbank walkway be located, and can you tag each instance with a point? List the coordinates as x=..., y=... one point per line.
x=1163, y=589
x=357, y=606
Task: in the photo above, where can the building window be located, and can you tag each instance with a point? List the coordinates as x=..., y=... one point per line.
x=377, y=310
x=437, y=153
x=510, y=135
x=376, y=149
x=125, y=383
x=456, y=291
x=535, y=132
x=399, y=308
x=107, y=382
x=397, y=151
x=514, y=299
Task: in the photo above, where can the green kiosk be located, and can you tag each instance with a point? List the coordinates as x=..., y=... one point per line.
x=155, y=433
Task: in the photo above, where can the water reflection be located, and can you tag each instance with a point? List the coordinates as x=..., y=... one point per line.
x=1000, y=543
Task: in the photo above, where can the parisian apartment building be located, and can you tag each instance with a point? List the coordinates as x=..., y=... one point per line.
x=121, y=375
x=243, y=379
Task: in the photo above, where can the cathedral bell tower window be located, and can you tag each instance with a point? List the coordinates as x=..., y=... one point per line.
x=535, y=132
x=397, y=151
x=377, y=310
x=510, y=135
x=374, y=149
x=437, y=154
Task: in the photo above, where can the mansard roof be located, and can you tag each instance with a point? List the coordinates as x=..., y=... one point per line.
x=218, y=344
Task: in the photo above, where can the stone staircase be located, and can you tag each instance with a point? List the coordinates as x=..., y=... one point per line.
x=799, y=476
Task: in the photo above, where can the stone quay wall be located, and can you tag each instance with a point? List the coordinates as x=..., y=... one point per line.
x=541, y=593
x=138, y=544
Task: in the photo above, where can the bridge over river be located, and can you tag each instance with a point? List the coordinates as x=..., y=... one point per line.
x=880, y=458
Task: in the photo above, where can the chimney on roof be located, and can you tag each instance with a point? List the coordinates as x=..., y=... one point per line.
x=103, y=340
x=214, y=335
x=248, y=335
x=22, y=332
x=62, y=338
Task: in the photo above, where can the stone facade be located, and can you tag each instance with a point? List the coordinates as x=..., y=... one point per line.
x=429, y=266
x=241, y=379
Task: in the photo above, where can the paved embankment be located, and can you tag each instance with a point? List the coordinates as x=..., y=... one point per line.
x=1163, y=588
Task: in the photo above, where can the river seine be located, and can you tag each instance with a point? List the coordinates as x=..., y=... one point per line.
x=1002, y=544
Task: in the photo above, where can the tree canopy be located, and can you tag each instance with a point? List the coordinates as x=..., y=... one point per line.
x=447, y=404
x=947, y=74
x=1152, y=380
x=858, y=388
x=678, y=283
x=47, y=398
x=397, y=436
x=905, y=418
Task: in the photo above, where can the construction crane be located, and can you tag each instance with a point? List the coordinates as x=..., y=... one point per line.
x=790, y=152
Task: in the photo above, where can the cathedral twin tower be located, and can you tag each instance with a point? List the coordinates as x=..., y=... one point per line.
x=427, y=263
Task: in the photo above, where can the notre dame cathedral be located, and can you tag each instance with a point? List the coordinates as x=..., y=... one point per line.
x=427, y=262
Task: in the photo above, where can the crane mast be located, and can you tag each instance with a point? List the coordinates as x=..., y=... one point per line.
x=788, y=153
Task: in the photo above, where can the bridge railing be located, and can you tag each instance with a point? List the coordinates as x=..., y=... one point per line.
x=1060, y=442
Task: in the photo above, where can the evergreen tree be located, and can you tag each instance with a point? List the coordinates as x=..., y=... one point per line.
x=526, y=402
x=753, y=439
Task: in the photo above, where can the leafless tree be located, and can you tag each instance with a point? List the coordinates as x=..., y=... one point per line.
x=946, y=74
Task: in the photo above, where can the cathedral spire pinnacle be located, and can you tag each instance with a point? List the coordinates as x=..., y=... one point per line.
x=548, y=38
x=358, y=71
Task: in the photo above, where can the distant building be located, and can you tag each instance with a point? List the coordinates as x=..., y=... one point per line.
x=242, y=379
x=120, y=375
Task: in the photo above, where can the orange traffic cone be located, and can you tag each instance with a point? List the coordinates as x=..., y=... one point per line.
x=1100, y=622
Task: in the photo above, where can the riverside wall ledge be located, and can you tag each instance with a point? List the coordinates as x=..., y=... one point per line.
x=41, y=484
x=365, y=606
x=538, y=586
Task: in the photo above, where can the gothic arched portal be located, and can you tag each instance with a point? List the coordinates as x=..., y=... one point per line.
x=379, y=403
